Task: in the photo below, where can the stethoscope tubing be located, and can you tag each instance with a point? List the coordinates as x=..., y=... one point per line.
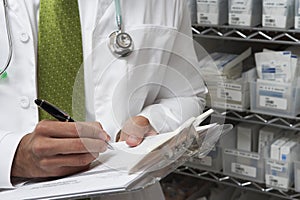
x=9, y=38
x=118, y=15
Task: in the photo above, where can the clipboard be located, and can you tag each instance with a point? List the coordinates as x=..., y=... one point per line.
x=102, y=180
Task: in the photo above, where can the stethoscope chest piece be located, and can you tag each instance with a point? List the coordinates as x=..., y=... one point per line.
x=120, y=43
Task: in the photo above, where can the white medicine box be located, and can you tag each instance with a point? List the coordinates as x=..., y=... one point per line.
x=279, y=174
x=245, y=12
x=230, y=94
x=297, y=14
x=275, y=98
x=212, y=12
x=244, y=165
x=278, y=13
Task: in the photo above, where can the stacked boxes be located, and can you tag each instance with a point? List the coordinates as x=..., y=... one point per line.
x=279, y=167
x=283, y=14
x=228, y=87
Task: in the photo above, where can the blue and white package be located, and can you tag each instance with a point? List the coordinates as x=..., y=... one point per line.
x=275, y=66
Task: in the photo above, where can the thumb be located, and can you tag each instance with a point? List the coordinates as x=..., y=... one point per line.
x=133, y=140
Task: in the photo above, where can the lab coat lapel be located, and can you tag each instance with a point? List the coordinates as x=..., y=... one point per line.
x=88, y=13
x=105, y=22
x=25, y=19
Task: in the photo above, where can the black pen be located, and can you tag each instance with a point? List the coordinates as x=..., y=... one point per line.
x=54, y=111
x=59, y=114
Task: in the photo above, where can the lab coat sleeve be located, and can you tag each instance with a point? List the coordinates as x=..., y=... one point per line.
x=182, y=94
x=11, y=140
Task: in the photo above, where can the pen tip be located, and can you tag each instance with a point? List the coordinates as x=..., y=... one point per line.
x=38, y=101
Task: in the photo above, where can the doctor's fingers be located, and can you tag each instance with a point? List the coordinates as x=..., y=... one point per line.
x=134, y=128
x=56, y=129
x=133, y=140
x=55, y=163
x=56, y=146
x=92, y=130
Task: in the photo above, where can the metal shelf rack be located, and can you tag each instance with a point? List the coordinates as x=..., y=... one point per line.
x=257, y=35
x=253, y=34
x=231, y=181
x=248, y=116
x=218, y=177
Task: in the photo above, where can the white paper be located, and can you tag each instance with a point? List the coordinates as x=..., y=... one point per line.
x=102, y=177
x=149, y=154
x=125, y=158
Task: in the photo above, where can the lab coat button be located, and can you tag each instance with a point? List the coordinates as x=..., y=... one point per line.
x=24, y=102
x=24, y=37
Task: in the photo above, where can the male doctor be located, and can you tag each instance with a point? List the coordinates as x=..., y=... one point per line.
x=33, y=148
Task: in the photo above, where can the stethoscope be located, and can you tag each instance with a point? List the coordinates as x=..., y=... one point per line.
x=3, y=73
x=120, y=43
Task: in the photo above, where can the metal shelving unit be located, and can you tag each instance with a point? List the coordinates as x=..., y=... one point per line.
x=231, y=181
x=248, y=116
x=218, y=177
x=247, y=34
x=253, y=34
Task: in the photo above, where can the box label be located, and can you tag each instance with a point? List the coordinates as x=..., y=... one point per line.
x=208, y=11
x=229, y=92
x=230, y=86
x=275, y=13
x=239, y=12
x=243, y=170
x=273, y=102
x=276, y=181
x=277, y=165
x=272, y=97
x=242, y=154
x=230, y=106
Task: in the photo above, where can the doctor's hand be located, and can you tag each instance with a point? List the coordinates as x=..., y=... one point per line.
x=58, y=148
x=135, y=129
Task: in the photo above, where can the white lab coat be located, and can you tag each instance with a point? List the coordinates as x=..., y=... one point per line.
x=105, y=97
